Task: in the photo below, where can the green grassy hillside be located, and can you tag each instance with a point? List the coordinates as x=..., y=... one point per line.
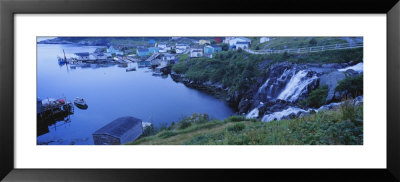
x=295, y=42
x=339, y=126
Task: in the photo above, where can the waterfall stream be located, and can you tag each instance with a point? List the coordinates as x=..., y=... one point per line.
x=296, y=86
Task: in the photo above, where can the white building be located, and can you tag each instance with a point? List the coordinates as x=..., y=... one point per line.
x=101, y=56
x=196, y=53
x=162, y=46
x=180, y=51
x=162, y=50
x=82, y=56
x=233, y=40
x=168, y=57
x=242, y=45
x=264, y=39
x=181, y=46
x=92, y=57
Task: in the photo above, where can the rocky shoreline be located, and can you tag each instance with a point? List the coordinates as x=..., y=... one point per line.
x=214, y=89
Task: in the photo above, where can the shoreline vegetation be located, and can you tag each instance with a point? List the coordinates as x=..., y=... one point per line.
x=342, y=125
x=279, y=98
x=233, y=74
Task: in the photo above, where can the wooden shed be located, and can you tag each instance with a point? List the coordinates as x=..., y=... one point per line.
x=120, y=131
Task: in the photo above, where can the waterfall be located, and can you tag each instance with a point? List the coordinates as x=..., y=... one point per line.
x=296, y=86
x=269, y=94
x=285, y=74
x=284, y=113
x=263, y=86
x=294, y=110
x=252, y=114
x=358, y=67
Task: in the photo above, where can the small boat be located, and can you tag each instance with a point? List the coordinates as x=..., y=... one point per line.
x=157, y=74
x=130, y=69
x=61, y=60
x=80, y=103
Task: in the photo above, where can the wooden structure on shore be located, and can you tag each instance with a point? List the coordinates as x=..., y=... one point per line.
x=52, y=108
x=120, y=131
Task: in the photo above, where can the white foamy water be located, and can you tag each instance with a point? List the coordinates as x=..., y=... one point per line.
x=296, y=86
x=263, y=86
x=284, y=113
x=253, y=114
x=358, y=67
x=146, y=124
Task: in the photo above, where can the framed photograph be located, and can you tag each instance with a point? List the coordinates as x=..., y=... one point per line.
x=174, y=91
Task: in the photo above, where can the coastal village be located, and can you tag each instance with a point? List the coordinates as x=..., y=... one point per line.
x=156, y=54
x=159, y=56
x=152, y=54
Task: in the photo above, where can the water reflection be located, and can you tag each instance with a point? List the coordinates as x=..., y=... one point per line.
x=111, y=92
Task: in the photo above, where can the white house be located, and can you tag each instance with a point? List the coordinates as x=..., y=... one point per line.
x=92, y=57
x=164, y=46
x=181, y=46
x=111, y=50
x=180, y=51
x=232, y=41
x=162, y=50
x=242, y=45
x=83, y=56
x=100, y=56
x=196, y=53
x=168, y=57
x=264, y=39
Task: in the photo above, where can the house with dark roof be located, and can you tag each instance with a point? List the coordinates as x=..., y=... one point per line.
x=232, y=41
x=217, y=48
x=196, y=53
x=120, y=131
x=242, y=45
x=82, y=56
x=152, y=42
x=142, y=52
x=111, y=50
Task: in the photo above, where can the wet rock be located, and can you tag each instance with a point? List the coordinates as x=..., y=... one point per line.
x=331, y=80
x=351, y=73
x=292, y=115
x=244, y=105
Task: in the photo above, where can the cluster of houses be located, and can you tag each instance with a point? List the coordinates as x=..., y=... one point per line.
x=167, y=50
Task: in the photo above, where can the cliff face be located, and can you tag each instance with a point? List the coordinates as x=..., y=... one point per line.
x=282, y=88
x=286, y=85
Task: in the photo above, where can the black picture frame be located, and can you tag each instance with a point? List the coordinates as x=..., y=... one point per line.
x=9, y=8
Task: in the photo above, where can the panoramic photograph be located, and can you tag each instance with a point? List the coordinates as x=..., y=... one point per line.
x=199, y=90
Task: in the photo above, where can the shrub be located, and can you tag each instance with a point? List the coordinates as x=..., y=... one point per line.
x=235, y=119
x=167, y=134
x=348, y=110
x=149, y=130
x=353, y=85
x=184, y=124
x=316, y=98
x=313, y=42
x=180, y=67
x=236, y=127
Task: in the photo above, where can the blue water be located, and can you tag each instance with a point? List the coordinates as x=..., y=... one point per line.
x=111, y=92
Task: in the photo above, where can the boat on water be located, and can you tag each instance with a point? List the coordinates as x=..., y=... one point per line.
x=157, y=74
x=80, y=103
x=51, y=108
x=61, y=60
x=130, y=69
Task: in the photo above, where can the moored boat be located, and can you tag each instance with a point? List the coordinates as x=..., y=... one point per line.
x=80, y=103
x=130, y=69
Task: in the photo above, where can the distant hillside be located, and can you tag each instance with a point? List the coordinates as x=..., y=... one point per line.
x=99, y=40
x=277, y=43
